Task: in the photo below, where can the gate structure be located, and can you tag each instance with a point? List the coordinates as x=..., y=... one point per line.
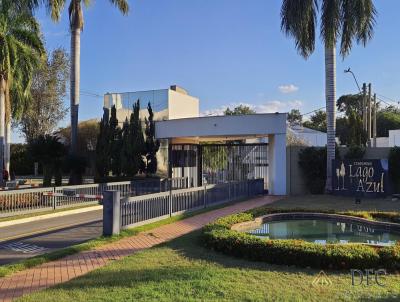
x=219, y=163
x=192, y=156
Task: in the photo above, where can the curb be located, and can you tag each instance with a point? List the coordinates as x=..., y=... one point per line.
x=48, y=216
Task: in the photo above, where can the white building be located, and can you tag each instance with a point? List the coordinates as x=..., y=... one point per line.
x=394, y=138
x=171, y=103
x=392, y=141
x=307, y=136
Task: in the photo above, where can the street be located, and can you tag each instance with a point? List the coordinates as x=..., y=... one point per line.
x=30, y=239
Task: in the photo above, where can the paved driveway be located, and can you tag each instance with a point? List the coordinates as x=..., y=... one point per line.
x=30, y=239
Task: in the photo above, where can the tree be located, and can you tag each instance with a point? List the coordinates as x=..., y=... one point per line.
x=87, y=135
x=294, y=117
x=152, y=144
x=45, y=108
x=75, y=13
x=387, y=119
x=339, y=19
x=350, y=103
x=49, y=152
x=115, y=141
x=239, y=110
x=317, y=121
x=127, y=163
x=350, y=127
x=103, y=147
x=137, y=140
x=21, y=49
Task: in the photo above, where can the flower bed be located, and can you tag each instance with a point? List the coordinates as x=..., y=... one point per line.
x=220, y=237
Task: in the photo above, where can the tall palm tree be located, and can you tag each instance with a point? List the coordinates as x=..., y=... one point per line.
x=344, y=20
x=21, y=49
x=75, y=12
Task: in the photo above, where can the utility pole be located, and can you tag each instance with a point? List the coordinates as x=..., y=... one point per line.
x=374, y=128
x=364, y=113
x=369, y=124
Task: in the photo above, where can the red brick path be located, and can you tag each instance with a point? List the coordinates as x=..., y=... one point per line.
x=62, y=270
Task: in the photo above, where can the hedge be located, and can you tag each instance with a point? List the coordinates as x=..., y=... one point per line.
x=219, y=237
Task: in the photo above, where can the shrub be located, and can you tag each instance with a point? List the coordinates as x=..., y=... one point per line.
x=22, y=162
x=355, y=152
x=219, y=236
x=394, y=168
x=312, y=162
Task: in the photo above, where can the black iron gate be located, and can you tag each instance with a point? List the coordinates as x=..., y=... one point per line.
x=219, y=163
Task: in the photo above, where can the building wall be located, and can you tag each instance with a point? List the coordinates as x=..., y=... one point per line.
x=166, y=104
x=394, y=138
x=182, y=105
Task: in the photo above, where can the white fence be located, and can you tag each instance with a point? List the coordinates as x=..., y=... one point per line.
x=17, y=202
x=139, y=210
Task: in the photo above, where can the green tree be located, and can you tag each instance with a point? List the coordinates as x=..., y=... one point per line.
x=45, y=107
x=75, y=12
x=137, y=141
x=21, y=49
x=294, y=117
x=103, y=147
x=350, y=127
x=350, y=103
x=127, y=150
x=387, y=119
x=239, y=110
x=317, y=121
x=152, y=144
x=115, y=141
x=49, y=152
x=342, y=20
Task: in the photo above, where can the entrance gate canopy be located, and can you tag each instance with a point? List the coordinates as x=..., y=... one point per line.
x=235, y=127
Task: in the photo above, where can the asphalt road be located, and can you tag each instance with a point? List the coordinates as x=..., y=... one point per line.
x=30, y=239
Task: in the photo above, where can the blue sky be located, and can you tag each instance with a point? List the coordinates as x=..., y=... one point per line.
x=223, y=51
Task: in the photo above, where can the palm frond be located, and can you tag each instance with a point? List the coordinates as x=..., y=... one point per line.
x=330, y=22
x=299, y=20
x=122, y=5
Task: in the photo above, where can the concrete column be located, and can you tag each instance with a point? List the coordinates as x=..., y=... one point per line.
x=277, y=164
x=111, y=213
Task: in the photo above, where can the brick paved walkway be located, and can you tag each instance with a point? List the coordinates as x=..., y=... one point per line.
x=62, y=270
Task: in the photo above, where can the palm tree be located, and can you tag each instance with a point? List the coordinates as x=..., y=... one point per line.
x=347, y=20
x=75, y=12
x=21, y=49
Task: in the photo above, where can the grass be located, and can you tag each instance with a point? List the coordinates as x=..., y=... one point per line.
x=91, y=244
x=34, y=214
x=183, y=270
x=336, y=203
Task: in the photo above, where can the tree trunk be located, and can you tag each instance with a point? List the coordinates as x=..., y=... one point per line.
x=75, y=87
x=2, y=125
x=330, y=94
x=7, y=147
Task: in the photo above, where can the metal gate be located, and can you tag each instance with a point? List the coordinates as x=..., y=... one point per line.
x=219, y=163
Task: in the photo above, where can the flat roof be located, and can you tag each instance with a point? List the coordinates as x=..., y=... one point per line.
x=253, y=125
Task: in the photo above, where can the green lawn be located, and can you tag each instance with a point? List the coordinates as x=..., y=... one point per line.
x=182, y=270
x=336, y=203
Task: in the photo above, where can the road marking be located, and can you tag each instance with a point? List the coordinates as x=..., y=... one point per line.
x=25, y=248
x=56, y=228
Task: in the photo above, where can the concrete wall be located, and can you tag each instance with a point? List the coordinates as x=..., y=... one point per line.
x=182, y=105
x=223, y=126
x=394, y=138
x=295, y=184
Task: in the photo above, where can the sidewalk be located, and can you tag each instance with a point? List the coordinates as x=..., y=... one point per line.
x=62, y=270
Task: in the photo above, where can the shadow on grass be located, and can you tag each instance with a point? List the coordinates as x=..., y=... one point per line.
x=189, y=267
